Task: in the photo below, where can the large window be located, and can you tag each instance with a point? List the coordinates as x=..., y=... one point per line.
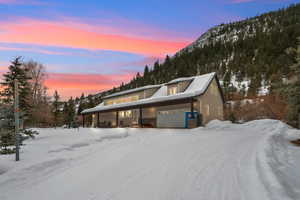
x=123, y=100
x=125, y=114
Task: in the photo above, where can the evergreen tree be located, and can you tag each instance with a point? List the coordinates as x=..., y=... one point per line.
x=80, y=108
x=56, y=107
x=7, y=136
x=146, y=77
x=91, y=103
x=18, y=72
x=70, y=112
x=292, y=92
x=146, y=71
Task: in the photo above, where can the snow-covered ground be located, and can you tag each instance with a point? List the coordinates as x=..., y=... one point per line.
x=251, y=161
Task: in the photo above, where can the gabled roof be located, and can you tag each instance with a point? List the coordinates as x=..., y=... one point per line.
x=197, y=87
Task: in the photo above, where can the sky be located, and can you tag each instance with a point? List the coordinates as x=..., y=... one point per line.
x=88, y=46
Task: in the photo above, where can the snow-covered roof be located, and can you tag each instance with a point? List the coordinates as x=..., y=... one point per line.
x=132, y=90
x=197, y=87
x=181, y=79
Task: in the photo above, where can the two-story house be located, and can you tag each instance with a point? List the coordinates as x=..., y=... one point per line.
x=180, y=103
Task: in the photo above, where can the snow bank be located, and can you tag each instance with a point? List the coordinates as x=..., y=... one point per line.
x=219, y=125
x=275, y=164
x=57, y=142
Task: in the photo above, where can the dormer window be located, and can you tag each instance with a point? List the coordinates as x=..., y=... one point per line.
x=173, y=90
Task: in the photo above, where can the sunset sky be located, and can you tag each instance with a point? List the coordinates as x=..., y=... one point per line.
x=92, y=45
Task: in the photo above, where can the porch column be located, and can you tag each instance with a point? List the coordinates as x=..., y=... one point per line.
x=83, y=121
x=98, y=119
x=192, y=107
x=141, y=117
x=117, y=118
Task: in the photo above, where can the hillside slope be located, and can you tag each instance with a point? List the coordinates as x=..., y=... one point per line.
x=247, y=55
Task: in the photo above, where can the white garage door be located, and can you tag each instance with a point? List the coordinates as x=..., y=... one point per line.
x=171, y=119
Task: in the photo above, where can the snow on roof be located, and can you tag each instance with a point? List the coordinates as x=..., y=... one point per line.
x=181, y=79
x=162, y=91
x=196, y=88
x=132, y=90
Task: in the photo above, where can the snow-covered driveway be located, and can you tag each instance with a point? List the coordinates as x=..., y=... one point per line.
x=222, y=161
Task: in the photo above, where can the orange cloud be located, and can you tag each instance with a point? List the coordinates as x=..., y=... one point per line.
x=62, y=34
x=75, y=84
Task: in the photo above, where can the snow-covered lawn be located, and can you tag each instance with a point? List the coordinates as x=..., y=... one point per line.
x=251, y=161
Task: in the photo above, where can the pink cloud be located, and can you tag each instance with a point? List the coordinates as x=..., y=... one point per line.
x=76, y=84
x=76, y=35
x=68, y=84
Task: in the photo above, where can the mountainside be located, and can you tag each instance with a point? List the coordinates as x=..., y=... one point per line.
x=232, y=32
x=248, y=55
x=255, y=57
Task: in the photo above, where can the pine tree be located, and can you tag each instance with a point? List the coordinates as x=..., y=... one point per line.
x=146, y=71
x=293, y=93
x=80, y=108
x=7, y=136
x=82, y=97
x=18, y=72
x=56, y=108
x=91, y=103
x=70, y=112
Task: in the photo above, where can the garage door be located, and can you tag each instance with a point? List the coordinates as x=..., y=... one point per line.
x=171, y=119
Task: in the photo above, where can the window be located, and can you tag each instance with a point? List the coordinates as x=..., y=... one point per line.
x=172, y=90
x=122, y=100
x=125, y=114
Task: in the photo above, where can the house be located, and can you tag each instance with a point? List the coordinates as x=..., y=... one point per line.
x=181, y=103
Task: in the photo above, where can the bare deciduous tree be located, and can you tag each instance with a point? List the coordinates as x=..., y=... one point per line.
x=41, y=111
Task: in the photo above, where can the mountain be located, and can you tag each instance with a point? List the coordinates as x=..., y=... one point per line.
x=250, y=56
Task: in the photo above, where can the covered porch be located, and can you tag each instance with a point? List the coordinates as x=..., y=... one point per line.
x=148, y=115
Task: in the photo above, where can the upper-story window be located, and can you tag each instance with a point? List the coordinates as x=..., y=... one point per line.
x=122, y=100
x=173, y=90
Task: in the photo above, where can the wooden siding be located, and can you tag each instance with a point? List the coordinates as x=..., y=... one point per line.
x=210, y=104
